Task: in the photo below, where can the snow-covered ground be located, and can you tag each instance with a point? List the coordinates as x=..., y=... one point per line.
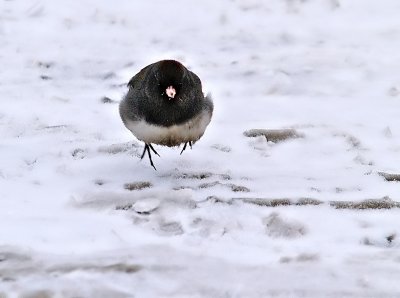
x=82, y=216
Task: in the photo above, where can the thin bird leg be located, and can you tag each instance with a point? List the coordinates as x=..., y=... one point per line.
x=147, y=148
x=184, y=146
x=152, y=149
x=144, y=151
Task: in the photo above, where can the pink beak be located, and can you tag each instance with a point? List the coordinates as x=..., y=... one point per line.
x=171, y=92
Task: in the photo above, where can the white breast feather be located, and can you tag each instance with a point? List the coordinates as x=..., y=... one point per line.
x=173, y=135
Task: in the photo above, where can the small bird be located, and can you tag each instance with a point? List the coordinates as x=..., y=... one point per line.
x=165, y=105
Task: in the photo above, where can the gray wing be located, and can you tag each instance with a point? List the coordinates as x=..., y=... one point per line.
x=208, y=103
x=134, y=82
x=129, y=106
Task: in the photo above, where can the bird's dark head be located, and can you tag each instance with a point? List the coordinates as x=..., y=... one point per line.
x=170, y=75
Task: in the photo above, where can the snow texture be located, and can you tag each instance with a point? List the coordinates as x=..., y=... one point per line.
x=240, y=215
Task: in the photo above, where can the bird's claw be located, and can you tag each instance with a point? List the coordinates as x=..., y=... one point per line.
x=148, y=147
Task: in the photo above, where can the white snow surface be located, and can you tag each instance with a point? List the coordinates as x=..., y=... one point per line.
x=70, y=227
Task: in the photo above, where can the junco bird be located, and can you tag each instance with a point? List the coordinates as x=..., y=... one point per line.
x=165, y=105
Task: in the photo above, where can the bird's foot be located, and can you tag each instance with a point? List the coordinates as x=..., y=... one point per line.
x=147, y=148
x=184, y=146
